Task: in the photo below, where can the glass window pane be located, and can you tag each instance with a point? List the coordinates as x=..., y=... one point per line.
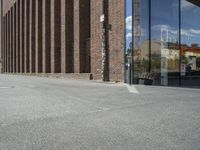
x=129, y=39
x=141, y=39
x=190, y=43
x=165, y=41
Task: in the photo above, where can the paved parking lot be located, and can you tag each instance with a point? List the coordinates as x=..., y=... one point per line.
x=59, y=114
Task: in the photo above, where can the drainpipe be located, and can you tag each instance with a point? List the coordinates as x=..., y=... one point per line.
x=103, y=20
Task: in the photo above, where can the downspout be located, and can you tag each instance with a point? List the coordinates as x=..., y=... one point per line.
x=104, y=21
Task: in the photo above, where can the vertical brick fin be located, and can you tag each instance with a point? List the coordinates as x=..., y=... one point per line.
x=32, y=36
x=116, y=39
x=19, y=37
x=6, y=44
x=22, y=36
x=27, y=36
x=14, y=39
x=38, y=36
x=52, y=36
x=57, y=34
x=69, y=32
x=16, y=36
x=66, y=36
x=9, y=46
x=4, y=54
x=84, y=33
x=96, y=39
x=2, y=41
x=11, y=39
x=46, y=22
x=76, y=37
x=43, y=36
x=63, y=36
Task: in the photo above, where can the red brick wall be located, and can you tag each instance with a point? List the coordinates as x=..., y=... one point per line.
x=96, y=39
x=116, y=39
x=83, y=38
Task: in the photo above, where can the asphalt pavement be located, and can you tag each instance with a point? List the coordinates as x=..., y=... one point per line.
x=59, y=114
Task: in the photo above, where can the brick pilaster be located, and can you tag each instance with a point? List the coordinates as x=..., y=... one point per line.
x=5, y=43
x=67, y=32
x=38, y=35
x=52, y=36
x=76, y=36
x=46, y=23
x=32, y=36
x=14, y=38
x=11, y=39
x=9, y=43
x=18, y=36
x=27, y=36
x=63, y=36
x=56, y=36
x=22, y=36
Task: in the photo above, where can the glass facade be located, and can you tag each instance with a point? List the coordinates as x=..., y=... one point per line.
x=163, y=42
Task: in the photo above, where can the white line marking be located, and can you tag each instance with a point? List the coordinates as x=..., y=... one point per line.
x=132, y=89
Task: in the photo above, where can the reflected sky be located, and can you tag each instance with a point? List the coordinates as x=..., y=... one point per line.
x=128, y=22
x=167, y=17
x=190, y=22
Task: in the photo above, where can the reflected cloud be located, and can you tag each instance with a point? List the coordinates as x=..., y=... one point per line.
x=164, y=27
x=194, y=31
x=188, y=32
x=186, y=5
x=129, y=23
x=191, y=32
x=129, y=35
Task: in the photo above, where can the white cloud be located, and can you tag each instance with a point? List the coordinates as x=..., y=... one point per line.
x=190, y=32
x=159, y=26
x=194, y=31
x=129, y=35
x=186, y=5
x=129, y=23
x=164, y=27
x=186, y=32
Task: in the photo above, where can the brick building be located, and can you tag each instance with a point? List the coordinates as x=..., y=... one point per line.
x=63, y=37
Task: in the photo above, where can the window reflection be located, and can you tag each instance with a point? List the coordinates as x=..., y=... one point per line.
x=165, y=41
x=129, y=39
x=190, y=42
x=141, y=38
